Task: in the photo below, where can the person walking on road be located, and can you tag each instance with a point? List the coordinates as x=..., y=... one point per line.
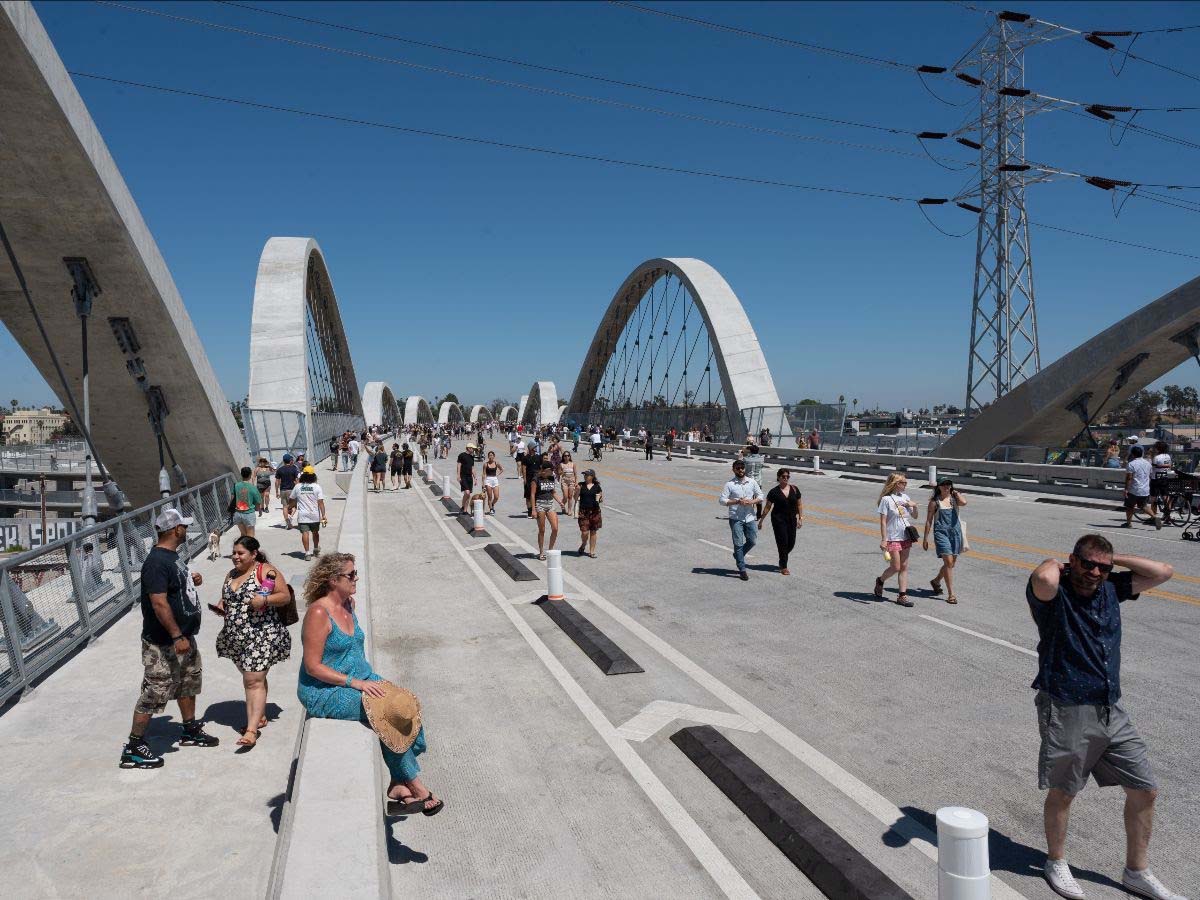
x=286, y=477
x=543, y=495
x=466, y=476
x=310, y=510
x=1085, y=731
x=948, y=540
x=379, y=463
x=406, y=466
x=591, y=495
x=262, y=480
x=170, y=655
x=245, y=503
x=649, y=441
x=569, y=481
x=253, y=636
x=492, y=470
x=395, y=465
x=786, y=509
x=741, y=496
x=669, y=442
x=897, y=512
x=1138, y=472
x=337, y=682
x=533, y=465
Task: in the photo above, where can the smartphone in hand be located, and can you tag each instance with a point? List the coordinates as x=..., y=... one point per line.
x=216, y=609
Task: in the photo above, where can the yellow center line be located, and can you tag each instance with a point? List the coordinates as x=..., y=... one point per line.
x=667, y=484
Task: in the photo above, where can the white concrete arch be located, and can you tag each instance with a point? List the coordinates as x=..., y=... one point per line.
x=417, y=411
x=521, y=407
x=379, y=406
x=449, y=413
x=542, y=405
x=507, y=414
x=745, y=378
x=299, y=355
x=479, y=412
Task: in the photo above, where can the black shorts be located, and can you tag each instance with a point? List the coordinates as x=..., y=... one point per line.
x=1133, y=501
x=466, y=484
x=1158, y=487
x=406, y=467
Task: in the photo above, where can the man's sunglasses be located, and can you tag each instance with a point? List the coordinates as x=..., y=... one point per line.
x=1088, y=564
x=352, y=575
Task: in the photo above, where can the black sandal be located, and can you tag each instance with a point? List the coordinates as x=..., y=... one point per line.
x=937, y=588
x=433, y=810
x=878, y=587
x=403, y=806
x=902, y=600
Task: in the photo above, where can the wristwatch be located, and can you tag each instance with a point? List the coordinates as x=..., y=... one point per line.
x=348, y=680
x=177, y=638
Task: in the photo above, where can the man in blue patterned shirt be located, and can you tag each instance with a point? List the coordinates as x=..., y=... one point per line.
x=1084, y=729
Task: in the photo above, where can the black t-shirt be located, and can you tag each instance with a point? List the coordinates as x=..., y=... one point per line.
x=287, y=474
x=379, y=461
x=587, y=496
x=164, y=572
x=408, y=455
x=533, y=462
x=466, y=463
x=784, y=508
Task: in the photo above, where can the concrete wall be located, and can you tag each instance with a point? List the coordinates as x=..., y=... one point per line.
x=279, y=377
x=745, y=378
x=1036, y=412
x=61, y=194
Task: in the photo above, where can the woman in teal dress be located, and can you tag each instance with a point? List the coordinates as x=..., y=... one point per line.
x=947, y=534
x=335, y=674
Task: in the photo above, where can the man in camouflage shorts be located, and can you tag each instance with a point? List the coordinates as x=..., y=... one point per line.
x=170, y=623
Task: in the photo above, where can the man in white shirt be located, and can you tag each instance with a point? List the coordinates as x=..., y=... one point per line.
x=355, y=448
x=309, y=502
x=1137, y=487
x=741, y=496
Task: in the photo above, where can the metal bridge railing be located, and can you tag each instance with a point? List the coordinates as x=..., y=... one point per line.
x=58, y=597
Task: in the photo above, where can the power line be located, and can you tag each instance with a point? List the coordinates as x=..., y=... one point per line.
x=468, y=139
x=744, y=179
x=773, y=38
x=603, y=101
x=658, y=89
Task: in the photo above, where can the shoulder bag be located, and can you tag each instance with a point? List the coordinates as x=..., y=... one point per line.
x=910, y=530
x=288, y=613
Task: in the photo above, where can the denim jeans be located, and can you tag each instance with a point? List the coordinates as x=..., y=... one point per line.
x=745, y=536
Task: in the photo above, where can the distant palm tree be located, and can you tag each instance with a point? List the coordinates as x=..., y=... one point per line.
x=14, y=404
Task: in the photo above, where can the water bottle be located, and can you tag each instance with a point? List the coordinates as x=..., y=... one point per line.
x=887, y=556
x=266, y=588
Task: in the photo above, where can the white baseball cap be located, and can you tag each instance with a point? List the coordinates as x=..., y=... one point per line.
x=171, y=518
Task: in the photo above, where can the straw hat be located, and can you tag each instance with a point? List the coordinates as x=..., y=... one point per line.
x=395, y=717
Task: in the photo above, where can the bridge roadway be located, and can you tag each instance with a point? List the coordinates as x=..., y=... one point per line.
x=871, y=714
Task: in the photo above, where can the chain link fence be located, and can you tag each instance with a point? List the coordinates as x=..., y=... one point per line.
x=58, y=597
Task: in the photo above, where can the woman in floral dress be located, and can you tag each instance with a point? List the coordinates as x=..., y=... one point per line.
x=253, y=635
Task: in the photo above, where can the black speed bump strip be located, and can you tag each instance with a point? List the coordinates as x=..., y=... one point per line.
x=468, y=523
x=516, y=569
x=600, y=649
x=831, y=864
x=452, y=506
x=436, y=489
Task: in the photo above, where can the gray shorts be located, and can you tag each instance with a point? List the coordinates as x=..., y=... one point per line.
x=1083, y=740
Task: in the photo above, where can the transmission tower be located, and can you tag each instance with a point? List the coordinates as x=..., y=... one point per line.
x=1004, y=338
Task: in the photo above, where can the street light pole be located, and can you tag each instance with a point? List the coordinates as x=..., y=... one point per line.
x=84, y=291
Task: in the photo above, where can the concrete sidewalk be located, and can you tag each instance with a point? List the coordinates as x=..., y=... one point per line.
x=536, y=803
x=204, y=825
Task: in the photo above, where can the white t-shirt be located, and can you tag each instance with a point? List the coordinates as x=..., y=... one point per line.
x=306, y=497
x=355, y=446
x=1140, y=483
x=595, y=437
x=898, y=516
x=1162, y=465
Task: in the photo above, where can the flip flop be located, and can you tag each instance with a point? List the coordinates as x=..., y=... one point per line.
x=433, y=810
x=403, y=806
x=952, y=599
x=937, y=588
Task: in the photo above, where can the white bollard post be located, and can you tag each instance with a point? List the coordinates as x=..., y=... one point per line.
x=477, y=515
x=963, y=872
x=816, y=464
x=446, y=488
x=689, y=449
x=932, y=473
x=554, y=575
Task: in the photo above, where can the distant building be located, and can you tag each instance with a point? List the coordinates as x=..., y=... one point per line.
x=32, y=426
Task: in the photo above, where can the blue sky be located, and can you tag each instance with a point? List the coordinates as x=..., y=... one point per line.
x=476, y=270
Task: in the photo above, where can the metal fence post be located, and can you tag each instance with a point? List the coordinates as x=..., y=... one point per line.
x=12, y=634
x=80, y=591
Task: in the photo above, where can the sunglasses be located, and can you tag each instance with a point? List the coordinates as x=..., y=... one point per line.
x=1089, y=564
x=352, y=575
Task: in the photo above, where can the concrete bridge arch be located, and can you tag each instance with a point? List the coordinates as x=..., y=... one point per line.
x=417, y=411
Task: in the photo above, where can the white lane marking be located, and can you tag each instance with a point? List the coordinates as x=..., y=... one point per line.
x=985, y=637
x=866, y=797
x=612, y=508
x=727, y=878
x=718, y=546
x=660, y=713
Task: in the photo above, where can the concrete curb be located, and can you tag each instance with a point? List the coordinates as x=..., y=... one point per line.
x=600, y=649
x=516, y=569
x=338, y=776
x=831, y=864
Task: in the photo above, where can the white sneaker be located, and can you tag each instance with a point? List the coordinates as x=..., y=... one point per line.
x=1059, y=877
x=1145, y=884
